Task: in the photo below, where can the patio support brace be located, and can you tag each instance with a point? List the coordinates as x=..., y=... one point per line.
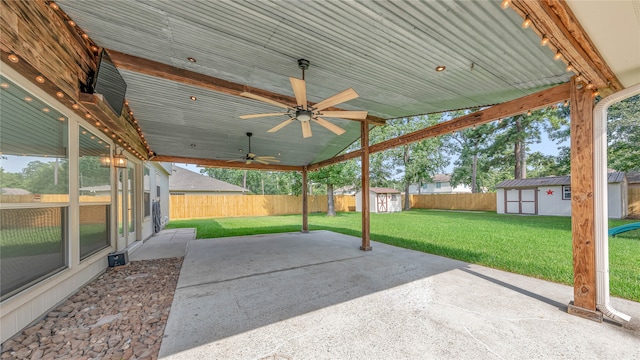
x=582, y=204
x=305, y=201
x=364, y=139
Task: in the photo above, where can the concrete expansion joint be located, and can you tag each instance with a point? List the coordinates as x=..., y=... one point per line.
x=266, y=273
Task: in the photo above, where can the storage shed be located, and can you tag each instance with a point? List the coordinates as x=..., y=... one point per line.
x=381, y=200
x=552, y=196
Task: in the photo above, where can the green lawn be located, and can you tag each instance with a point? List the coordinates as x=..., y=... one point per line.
x=538, y=246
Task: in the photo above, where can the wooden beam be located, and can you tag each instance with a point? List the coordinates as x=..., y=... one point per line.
x=172, y=73
x=100, y=111
x=582, y=200
x=225, y=164
x=366, y=215
x=555, y=20
x=540, y=99
x=305, y=201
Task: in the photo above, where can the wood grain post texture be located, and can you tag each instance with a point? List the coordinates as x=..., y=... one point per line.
x=582, y=203
x=305, y=201
x=366, y=229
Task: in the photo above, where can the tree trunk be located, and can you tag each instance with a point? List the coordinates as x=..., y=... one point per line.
x=331, y=208
x=474, y=174
x=262, y=184
x=407, y=202
x=517, y=150
x=244, y=179
x=523, y=161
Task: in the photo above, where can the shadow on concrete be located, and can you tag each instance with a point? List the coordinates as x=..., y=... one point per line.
x=230, y=286
x=562, y=307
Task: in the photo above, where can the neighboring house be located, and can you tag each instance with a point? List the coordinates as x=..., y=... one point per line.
x=345, y=190
x=14, y=191
x=441, y=184
x=552, y=196
x=187, y=182
x=381, y=200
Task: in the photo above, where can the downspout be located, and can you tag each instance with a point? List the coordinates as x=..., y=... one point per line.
x=603, y=301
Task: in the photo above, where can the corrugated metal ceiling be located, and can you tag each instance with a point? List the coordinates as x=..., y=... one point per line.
x=386, y=50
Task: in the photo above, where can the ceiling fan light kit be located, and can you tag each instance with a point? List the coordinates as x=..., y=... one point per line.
x=305, y=113
x=251, y=157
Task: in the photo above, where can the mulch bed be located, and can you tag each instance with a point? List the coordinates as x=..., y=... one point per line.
x=120, y=315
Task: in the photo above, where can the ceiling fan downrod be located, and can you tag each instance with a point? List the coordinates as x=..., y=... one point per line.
x=303, y=65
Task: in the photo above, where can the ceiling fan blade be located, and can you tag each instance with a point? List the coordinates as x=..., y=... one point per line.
x=261, y=161
x=358, y=115
x=300, y=91
x=329, y=126
x=264, y=99
x=306, y=129
x=248, y=162
x=253, y=116
x=281, y=125
x=336, y=99
x=266, y=158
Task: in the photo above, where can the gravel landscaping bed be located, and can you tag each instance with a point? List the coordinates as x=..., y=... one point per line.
x=120, y=315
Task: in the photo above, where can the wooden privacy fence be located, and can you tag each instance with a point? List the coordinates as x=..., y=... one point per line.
x=634, y=202
x=213, y=206
x=483, y=202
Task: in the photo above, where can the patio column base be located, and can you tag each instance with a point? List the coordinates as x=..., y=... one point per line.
x=304, y=231
x=367, y=248
x=584, y=313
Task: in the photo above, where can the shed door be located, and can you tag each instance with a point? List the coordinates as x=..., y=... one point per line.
x=521, y=201
x=382, y=203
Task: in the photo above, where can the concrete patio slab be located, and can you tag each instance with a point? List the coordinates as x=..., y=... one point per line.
x=317, y=296
x=167, y=243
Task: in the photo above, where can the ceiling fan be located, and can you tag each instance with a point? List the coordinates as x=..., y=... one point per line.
x=306, y=113
x=251, y=157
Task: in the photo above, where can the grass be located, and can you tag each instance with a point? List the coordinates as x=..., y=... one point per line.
x=537, y=246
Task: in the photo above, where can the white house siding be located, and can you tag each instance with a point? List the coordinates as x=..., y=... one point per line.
x=550, y=201
x=552, y=204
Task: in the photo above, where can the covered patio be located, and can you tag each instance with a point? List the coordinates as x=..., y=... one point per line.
x=319, y=75
x=316, y=296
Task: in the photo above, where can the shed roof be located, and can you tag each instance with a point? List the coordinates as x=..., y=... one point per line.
x=633, y=177
x=187, y=180
x=613, y=177
x=380, y=190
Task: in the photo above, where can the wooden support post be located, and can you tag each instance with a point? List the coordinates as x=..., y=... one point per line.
x=366, y=229
x=305, y=202
x=582, y=204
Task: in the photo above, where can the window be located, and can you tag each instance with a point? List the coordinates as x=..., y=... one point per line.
x=438, y=185
x=95, y=193
x=566, y=192
x=34, y=194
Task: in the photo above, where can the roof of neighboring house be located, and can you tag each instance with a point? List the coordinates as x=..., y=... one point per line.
x=14, y=191
x=186, y=180
x=613, y=177
x=633, y=177
x=441, y=178
x=379, y=190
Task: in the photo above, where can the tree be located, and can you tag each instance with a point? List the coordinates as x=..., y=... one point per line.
x=259, y=181
x=472, y=163
x=336, y=175
x=623, y=135
x=518, y=132
x=415, y=162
